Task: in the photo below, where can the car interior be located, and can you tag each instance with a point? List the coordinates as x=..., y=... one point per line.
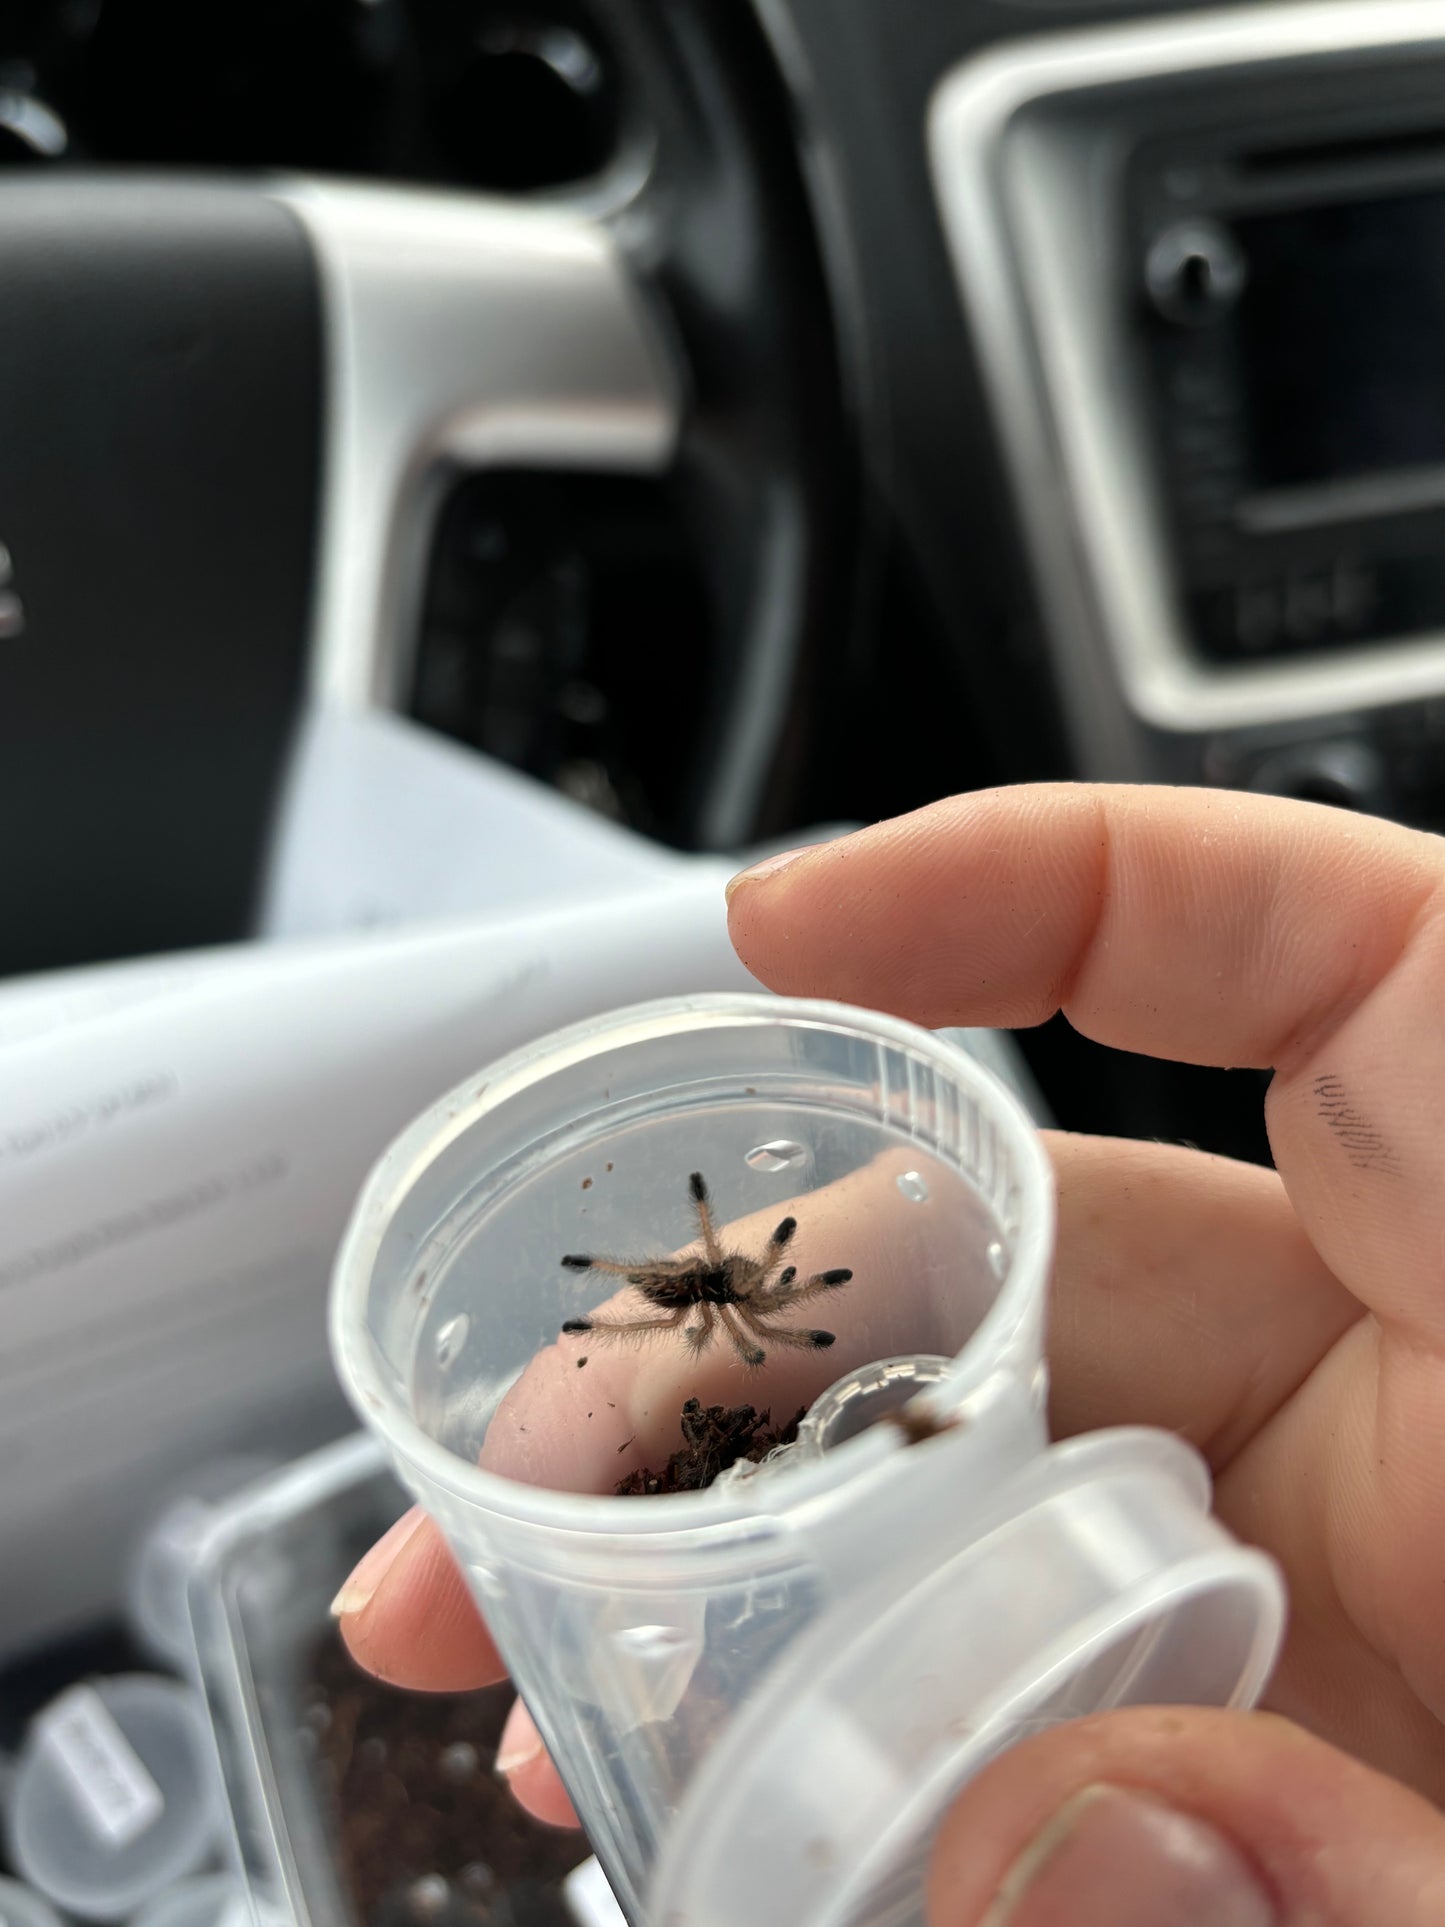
x=466, y=465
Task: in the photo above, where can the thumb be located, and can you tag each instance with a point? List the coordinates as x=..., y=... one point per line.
x=1183, y=1818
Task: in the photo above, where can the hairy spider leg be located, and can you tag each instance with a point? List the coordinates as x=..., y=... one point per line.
x=751, y=1355
x=783, y=1295
x=699, y=1337
x=710, y=1245
x=773, y=1252
x=760, y=1323
x=634, y=1272
x=625, y=1328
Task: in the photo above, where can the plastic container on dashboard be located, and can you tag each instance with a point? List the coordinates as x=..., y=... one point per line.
x=23, y=1907
x=318, y=1763
x=115, y=1796
x=165, y=1555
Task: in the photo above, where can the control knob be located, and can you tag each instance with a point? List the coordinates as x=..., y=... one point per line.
x=1194, y=273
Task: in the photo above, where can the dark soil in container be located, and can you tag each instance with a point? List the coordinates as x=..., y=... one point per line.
x=428, y=1836
x=714, y=1437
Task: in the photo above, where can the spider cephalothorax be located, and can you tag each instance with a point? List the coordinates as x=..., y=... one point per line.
x=741, y=1295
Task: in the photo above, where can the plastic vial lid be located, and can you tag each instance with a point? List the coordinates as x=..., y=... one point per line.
x=164, y=1558
x=214, y=1900
x=1100, y=1582
x=22, y=1907
x=116, y=1795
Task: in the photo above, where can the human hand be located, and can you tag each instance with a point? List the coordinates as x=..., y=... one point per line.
x=1292, y=1326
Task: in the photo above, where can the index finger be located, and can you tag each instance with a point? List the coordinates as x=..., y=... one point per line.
x=1198, y=925
x=1207, y=927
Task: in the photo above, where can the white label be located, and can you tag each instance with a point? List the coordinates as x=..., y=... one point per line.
x=590, y=1899
x=116, y=1793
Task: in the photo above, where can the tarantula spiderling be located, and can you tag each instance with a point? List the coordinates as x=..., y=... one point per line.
x=728, y=1291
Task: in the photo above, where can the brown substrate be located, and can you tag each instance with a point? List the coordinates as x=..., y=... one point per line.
x=428, y=1835
x=714, y=1437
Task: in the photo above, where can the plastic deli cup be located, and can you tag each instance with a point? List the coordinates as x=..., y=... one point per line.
x=116, y=1795
x=165, y=1556
x=23, y=1907
x=801, y=1208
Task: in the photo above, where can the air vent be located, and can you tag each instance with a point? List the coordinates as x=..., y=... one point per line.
x=566, y=632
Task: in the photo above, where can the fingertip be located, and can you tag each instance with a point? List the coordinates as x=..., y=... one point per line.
x=413, y=1622
x=755, y=904
x=771, y=866
x=523, y=1763
x=1114, y=1857
x=1192, y=1814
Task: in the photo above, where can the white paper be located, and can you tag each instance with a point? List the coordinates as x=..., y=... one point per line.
x=176, y=1170
x=182, y=1138
x=384, y=822
x=112, y=1787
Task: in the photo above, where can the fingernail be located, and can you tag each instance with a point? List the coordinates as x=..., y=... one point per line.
x=1116, y=1859
x=520, y=1743
x=360, y=1588
x=769, y=867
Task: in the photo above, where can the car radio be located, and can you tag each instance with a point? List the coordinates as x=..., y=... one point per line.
x=1293, y=306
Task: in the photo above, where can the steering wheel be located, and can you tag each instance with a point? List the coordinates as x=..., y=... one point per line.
x=230, y=411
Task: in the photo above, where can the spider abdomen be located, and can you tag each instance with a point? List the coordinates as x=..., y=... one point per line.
x=703, y=1285
x=669, y=1293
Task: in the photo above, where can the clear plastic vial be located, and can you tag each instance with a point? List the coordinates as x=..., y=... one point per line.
x=23, y=1907
x=814, y=1654
x=165, y=1556
x=116, y=1795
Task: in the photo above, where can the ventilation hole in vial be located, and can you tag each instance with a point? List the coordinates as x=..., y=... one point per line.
x=651, y=1642
x=997, y=1259
x=489, y=1578
x=914, y=1187
x=780, y=1155
x=451, y=1338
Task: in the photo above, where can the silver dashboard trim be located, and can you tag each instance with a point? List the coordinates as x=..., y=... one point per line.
x=1093, y=528
x=461, y=333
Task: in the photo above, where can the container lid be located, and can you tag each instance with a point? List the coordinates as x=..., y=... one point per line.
x=1102, y=1582
x=163, y=1560
x=23, y=1907
x=116, y=1795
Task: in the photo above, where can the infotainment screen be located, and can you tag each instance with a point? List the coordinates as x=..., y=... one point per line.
x=1342, y=340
